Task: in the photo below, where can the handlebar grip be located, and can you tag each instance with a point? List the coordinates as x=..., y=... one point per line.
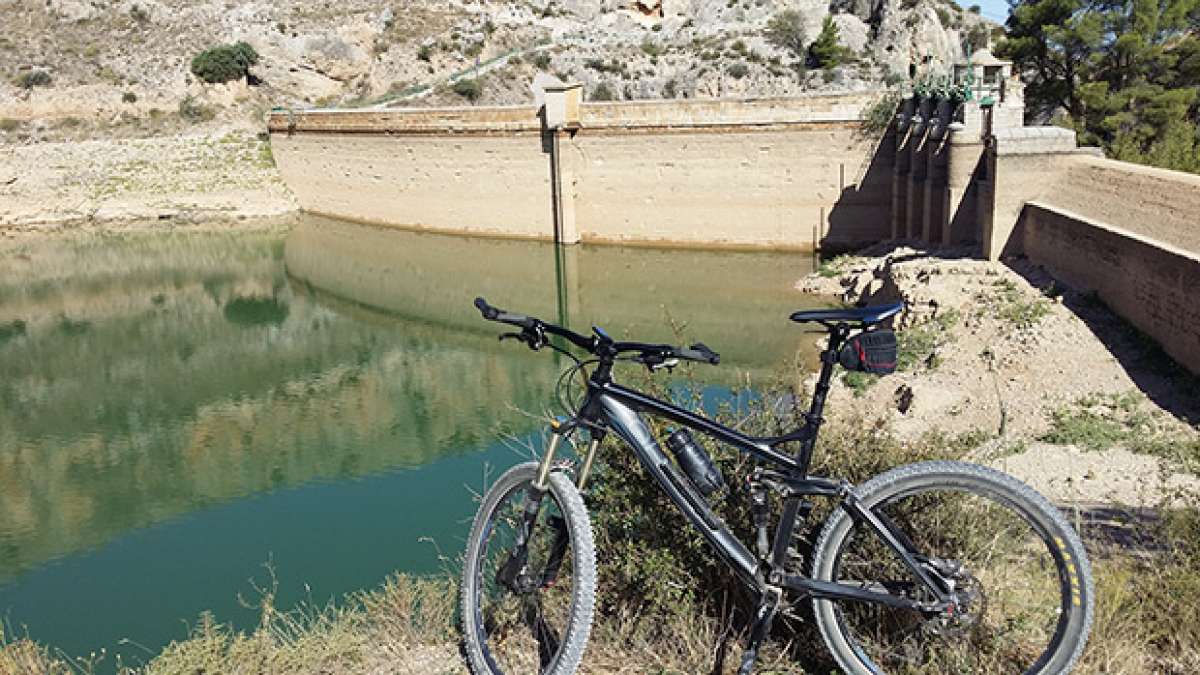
x=699, y=352
x=496, y=314
x=486, y=310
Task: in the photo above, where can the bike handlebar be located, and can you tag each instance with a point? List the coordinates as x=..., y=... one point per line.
x=533, y=332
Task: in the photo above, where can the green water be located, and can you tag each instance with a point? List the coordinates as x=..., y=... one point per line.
x=177, y=410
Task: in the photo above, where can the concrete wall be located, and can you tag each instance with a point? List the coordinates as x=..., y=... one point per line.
x=1150, y=283
x=1155, y=203
x=763, y=173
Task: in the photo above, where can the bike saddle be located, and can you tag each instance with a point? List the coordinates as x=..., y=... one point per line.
x=862, y=315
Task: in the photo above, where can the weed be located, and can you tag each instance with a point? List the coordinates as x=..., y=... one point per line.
x=1012, y=306
x=194, y=111
x=602, y=92
x=1102, y=421
x=737, y=70
x=879, y=115
x=33, y=78
x=468, y=88
x=859, y=382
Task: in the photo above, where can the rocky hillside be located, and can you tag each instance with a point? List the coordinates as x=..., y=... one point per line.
x=122, y=68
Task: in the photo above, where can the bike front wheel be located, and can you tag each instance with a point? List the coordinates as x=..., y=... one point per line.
x=1018, y=571
x=529, y=578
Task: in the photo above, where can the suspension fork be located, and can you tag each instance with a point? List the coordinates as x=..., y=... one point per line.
x=518, y=559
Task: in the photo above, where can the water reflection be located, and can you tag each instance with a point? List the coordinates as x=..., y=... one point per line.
x=232, y=390
x=736, y=302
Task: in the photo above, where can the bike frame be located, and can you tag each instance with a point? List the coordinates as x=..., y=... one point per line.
x=610, y=406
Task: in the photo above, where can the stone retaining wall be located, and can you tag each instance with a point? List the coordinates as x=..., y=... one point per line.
x=1150, y=283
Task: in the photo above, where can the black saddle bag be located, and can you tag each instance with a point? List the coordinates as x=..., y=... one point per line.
x=870, y=352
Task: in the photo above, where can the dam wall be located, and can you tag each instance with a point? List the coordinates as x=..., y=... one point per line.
x=790, y=173
x=1150, y=283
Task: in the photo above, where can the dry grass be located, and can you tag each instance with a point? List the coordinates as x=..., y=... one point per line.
x=1146, y=563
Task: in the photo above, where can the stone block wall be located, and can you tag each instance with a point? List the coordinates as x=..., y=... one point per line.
x=1150, y=283
x=781, y=173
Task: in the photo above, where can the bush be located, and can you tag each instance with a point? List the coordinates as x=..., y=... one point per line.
x=975, y=9
x=542, y=61
x=33, y=78
x=786, y=31
x=224, y=63
x=650, y=48
x=129, y=97
x=825, y=52
x=737, y=70
x=878, y=117
x=425, y=53
x=192, y=110
x=468, y=88
x=602, y=93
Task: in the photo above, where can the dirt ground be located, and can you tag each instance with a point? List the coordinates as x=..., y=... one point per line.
x=1001, y=353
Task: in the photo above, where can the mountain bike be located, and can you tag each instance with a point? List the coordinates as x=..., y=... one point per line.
x=933, y=567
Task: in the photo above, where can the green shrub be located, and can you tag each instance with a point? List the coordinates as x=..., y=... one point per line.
x=670, y=89
x=192, y=110
x=468, y=88
x=975, y=9
x=786, y=31
x=737, y=70
x=943, y=15
x=825, y=52
x=650, y=48
x=129, y=97
x=542, y=61
x=602, y=93
x=33, y=78
x=425, y=52
x=878, y=116
x=224, y=63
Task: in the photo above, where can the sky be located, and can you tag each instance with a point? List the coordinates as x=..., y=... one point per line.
x=996, y=10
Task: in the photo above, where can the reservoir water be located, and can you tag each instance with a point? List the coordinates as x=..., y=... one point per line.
x=179, y=410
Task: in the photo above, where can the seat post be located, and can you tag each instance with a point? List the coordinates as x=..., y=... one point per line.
x=815, y=416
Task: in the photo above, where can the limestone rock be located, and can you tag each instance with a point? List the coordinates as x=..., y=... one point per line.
x=71, y=11
x=853, y=31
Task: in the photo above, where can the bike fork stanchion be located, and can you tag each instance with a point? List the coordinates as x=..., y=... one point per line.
x=547, y=461
x=764, y=615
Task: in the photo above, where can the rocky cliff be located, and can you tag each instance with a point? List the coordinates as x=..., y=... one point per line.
x=123, y=67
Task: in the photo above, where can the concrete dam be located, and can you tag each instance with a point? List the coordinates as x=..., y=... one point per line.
x=798, y=173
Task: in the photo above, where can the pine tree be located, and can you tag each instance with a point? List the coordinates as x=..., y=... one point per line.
x=825, y=52
x=1126, y=73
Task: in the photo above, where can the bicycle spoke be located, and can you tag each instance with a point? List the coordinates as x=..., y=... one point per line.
x=526, y=588
x=1003, y=573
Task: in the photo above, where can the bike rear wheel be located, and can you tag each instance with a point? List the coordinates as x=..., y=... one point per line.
x=1019, y=570
x=529, y=578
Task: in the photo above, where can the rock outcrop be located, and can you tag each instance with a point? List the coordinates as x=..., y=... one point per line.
x=355, y=52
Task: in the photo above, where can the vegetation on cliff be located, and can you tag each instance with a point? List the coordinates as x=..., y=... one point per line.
x=1125, y=76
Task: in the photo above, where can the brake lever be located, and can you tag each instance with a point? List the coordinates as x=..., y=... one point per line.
x=669, y=364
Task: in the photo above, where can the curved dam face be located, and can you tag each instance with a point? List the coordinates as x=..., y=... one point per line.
x=778, y=173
